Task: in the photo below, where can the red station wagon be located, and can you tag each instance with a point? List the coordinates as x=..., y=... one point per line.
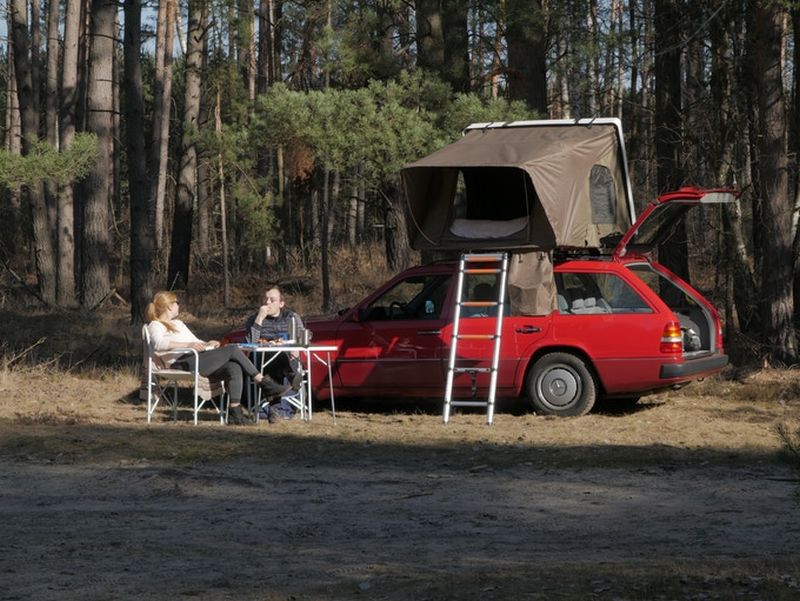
x=589, y=313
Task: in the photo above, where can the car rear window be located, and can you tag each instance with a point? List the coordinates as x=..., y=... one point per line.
x=582, y=293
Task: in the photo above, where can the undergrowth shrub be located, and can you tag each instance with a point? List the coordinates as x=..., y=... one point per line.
x=790, y=437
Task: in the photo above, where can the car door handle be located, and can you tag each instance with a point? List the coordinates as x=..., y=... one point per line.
x=528, y=330
x=429, y=332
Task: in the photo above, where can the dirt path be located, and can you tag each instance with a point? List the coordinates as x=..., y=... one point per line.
x=382, y=527
x=684, y=496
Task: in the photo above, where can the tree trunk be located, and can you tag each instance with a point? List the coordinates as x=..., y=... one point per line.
x=766, y=31
x=51, y=123
x=162, y=103
x=36, y=45
x=66, y=206
x=266, y=55
x=178, y=273
x=497, y=51
x=29, y=111
x=527, y=49
x=593, y=93
x=95, y=281
x=456, y=44
x=352, y=217
x=674, y=254
x=325, y=209
x=13, y=141
x=430, y=36
x=743, y=288
x=398, y=250
x=142, y=247
x=204, y=202
x=649, y=186
x=226, y=285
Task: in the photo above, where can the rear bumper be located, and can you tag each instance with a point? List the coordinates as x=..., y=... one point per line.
x=693, y=368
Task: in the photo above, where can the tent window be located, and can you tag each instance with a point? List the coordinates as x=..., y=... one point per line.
x=495, y=193
x=603, y=195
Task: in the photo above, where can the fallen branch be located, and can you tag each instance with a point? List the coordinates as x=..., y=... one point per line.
x=25, y=286
x=102, y=301
x=20, y=355
x=84, y=360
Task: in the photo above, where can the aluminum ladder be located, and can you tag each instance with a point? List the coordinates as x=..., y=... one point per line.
x=477, y=264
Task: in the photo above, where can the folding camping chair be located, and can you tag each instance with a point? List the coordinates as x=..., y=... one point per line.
x=162, y=383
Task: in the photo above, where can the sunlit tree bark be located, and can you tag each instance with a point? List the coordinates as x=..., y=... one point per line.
x=95, y=277
x=142, y=247
x=178, y=273
x=29, y=111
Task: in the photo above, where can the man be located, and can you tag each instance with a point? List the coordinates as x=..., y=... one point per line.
x=274, y=323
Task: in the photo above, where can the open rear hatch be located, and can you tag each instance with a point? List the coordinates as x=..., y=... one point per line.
x=657, y=222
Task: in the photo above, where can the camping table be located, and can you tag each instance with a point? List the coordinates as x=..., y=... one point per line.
x=312, y=352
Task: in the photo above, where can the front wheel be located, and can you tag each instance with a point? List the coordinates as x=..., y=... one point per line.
x=561, y=384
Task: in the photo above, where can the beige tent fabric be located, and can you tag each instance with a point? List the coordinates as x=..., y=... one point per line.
x=531, y=287
x=560, y=161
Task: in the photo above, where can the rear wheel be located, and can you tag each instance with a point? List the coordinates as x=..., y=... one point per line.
x=561, y=384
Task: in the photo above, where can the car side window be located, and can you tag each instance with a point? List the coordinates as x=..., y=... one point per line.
x=481, y=288
x=582, y=293
x=416, y=297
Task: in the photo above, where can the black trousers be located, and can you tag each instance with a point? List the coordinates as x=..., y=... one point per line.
x=226, y=363
x=282, y=366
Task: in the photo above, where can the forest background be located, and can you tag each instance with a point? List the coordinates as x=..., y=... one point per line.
x=146, y=143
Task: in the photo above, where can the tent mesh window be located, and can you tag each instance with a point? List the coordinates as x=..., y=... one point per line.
x=602, y=195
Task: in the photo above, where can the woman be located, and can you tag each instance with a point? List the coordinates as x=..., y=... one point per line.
x=226, y=363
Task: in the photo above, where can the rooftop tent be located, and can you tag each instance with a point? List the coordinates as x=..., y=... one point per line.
x=522, y=185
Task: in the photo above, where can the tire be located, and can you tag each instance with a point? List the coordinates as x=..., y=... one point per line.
x=561, y=384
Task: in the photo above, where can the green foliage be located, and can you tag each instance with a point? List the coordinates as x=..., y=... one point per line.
x=256, y=219
x=372, y=132
x=469, y=108
x=46, y=164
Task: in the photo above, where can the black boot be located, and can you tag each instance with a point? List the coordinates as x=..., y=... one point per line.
x=297, y=380
x=272, y=389
x=236, y=416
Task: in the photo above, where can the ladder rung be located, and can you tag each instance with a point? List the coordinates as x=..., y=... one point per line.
x=469, y=403
x=483, y=258
x=475, y=336
x=466, y=370
x=476, y=270
x=479, y=303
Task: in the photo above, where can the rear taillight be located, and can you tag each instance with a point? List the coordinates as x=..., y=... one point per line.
x=671, y=339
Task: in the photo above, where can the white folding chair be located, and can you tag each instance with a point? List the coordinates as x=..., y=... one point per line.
x=162, y=383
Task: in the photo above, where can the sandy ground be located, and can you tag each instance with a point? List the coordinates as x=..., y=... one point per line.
x=685, y=495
